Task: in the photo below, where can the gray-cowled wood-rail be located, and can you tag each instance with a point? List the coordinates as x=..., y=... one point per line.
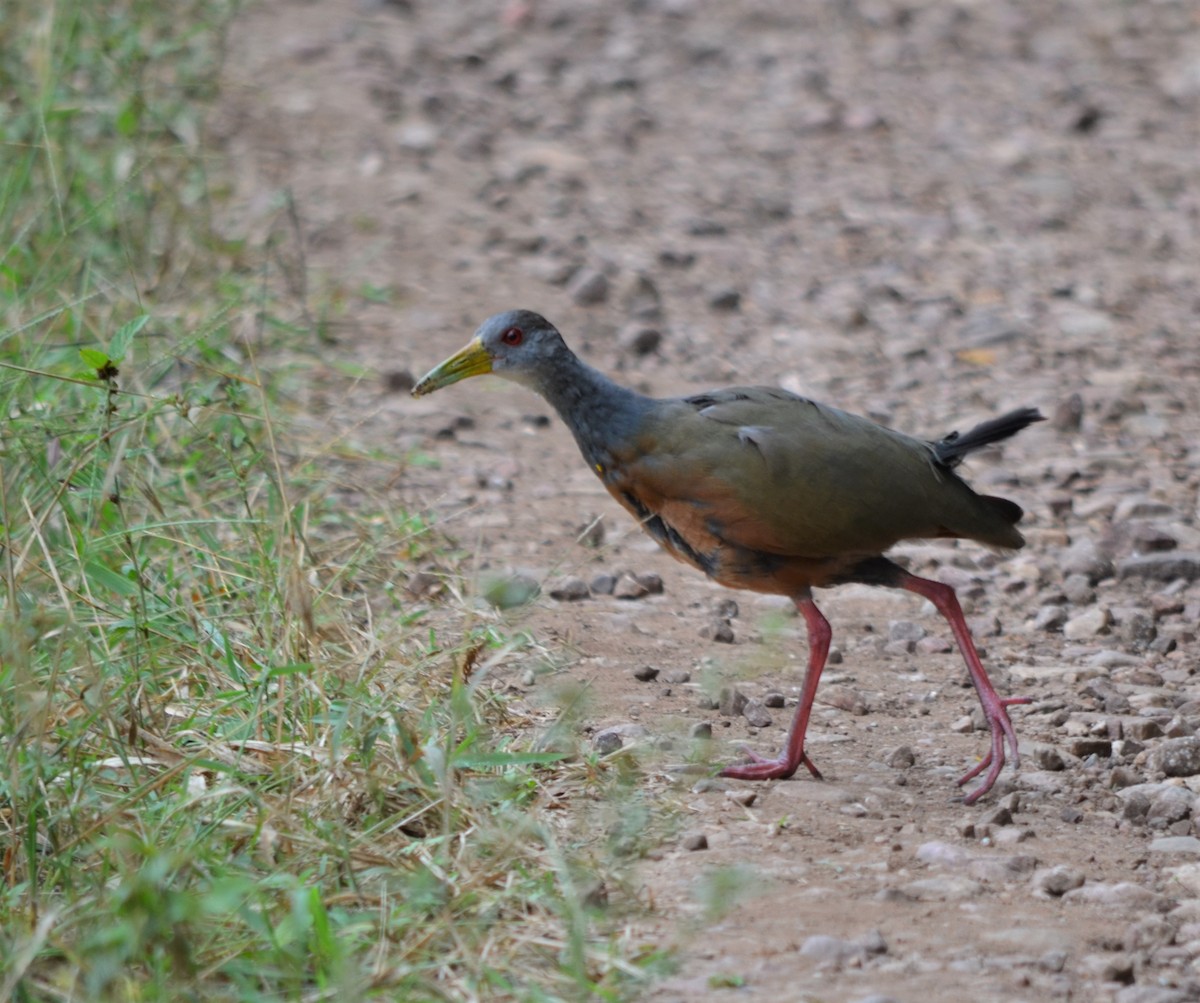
x=764, y=490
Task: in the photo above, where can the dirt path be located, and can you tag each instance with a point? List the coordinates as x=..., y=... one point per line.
x=925, y=212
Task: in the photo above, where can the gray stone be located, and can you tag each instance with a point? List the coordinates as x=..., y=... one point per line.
x=645, y=673
x=1089, y=623
x=1176, y=757
x=720, y=631
x=1153, y=994
x=1119, y=895
x=732, y=702
x=1172, y=804
x=1083, y=558
x=756, y=714
x=1161, y=567
x=695, y=841
x=905, y=630
x=831, y=951
x=588, y=287
x=628, y=587
x=569, y=589
x=1176, y=844
x=1054, y=882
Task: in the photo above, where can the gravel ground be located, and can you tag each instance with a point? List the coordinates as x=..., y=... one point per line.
x=926, y=212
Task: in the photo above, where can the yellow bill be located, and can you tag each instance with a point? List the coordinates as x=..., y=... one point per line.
x=470, y=360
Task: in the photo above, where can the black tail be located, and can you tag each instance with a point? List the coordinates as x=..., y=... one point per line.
x=951, y=450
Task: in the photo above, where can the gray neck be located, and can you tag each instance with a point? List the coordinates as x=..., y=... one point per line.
x=601, y=414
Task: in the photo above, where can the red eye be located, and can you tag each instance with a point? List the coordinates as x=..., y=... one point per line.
x=513, y=336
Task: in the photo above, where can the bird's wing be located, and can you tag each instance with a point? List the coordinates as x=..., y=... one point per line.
x=768, y=471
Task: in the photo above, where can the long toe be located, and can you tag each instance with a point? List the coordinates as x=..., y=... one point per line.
x=761, y=768
x=1002, y=731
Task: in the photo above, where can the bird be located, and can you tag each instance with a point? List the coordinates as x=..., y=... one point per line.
x=766, y=490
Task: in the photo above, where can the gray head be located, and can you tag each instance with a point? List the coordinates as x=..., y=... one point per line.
x=519, y=345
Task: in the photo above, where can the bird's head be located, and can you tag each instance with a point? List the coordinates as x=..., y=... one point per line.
x=519, y=345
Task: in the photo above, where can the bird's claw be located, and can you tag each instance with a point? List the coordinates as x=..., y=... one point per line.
x=762, y=768
x=1002, y=728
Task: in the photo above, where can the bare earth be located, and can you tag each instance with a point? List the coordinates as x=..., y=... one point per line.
x=926, y=211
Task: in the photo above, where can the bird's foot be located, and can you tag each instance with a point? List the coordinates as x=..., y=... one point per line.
x=997, y=714
x=762, y=768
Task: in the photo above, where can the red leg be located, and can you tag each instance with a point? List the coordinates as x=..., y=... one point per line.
x=759, y=768
x=994, y=706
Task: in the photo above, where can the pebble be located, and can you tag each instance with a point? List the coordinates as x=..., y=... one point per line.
x=695, y=841
x=616, y=737
x=629, y=587
x=731, y=702
x=725, y=299
x=640, y=340
x=1176, y=844
x=1161, y=567
x=1054, y=882
x=1152, y=994
x=645, y=673
x=905, y=630
x=1171, y=804
x=701, y=729
x=744, y=796
x=603, y=585
x=756, y=714
x=677, y=677
x=831, y=951
x=720, y=631
x=1049, y=618
x=901, y=758
x=1176, y=757
x=569, y=589
x=588, y=287
x=941, y=889
x=774, y=699
x=1090, y=623
x=1118, y=895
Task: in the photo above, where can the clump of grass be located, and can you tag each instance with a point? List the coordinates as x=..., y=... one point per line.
x=235, y=762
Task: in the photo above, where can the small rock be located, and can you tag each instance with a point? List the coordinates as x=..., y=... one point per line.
x=774, y=699
x=628, y=587
x=905, y=630
x=677, y=677
x=720, y=631
x=744, y=796
x=1152, y=994
x=1176, y=844
x=1068, y=414
x=1176, y=757
x=695, y=841
x=827, y=950
x=398, y=381
x=1090, y=623
x=727, y=609
x=1171, y=804
x=996, y=816
x=1083, y=558
x=1049, y=758
x=1049, y=618
x=1078, y=590
x=731, y=702
x=1121, y=895
x=1054, y=882
x=603, y=585
x=651, y=582
x=701, y=729
x=756, y=714
x=645, y=673
x=640, y=340
x=1108, y=967
x=611, y=739
x=942, y=889
x=1161, y=567
x=569, y=589
x=725, y=299
x=588, y=287
x=901, y=758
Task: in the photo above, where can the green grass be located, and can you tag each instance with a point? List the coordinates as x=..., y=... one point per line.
x=236, y=760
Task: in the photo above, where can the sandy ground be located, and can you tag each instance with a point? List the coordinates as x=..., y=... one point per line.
x=926, y=212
